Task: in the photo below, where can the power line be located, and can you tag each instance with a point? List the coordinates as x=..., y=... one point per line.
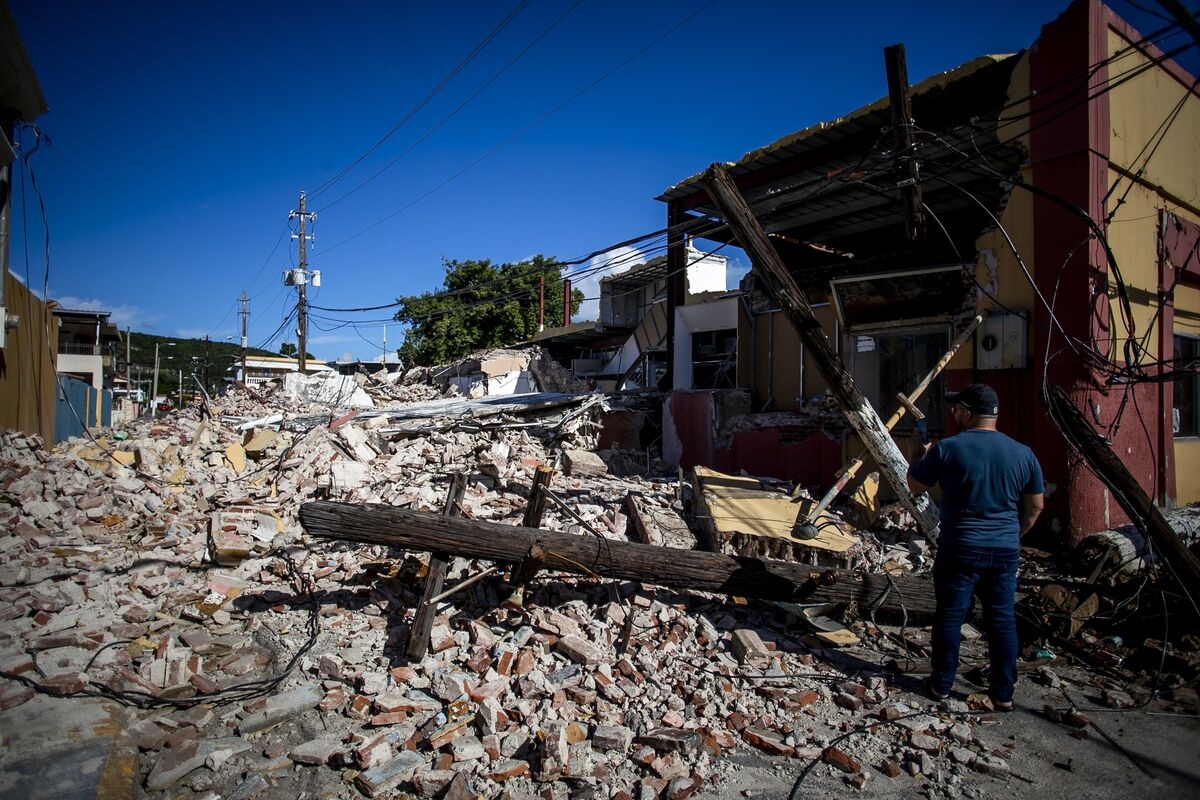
x=693, y=226
x=528, y=127
x=495, y=76
x=425, y=100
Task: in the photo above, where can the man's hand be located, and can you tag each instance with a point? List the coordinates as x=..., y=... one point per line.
x=915, y=486
x=1030, y=507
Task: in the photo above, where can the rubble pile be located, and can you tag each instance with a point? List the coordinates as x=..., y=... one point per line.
x=164, y=567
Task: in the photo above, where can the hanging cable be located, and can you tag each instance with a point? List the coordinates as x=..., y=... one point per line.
x=412, y=112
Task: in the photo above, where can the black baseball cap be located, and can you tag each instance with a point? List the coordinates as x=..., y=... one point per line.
x=978, y=397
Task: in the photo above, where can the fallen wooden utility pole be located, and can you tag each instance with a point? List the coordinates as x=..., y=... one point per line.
x=588, y=555
x=1125, y=488
x=780, y=285
x=907, y=405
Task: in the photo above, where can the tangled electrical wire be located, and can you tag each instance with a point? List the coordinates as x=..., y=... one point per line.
x=237, y=693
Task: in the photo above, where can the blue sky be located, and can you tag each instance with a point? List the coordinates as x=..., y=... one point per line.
x=181, y=134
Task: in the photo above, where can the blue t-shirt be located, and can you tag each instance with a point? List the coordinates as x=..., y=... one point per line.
x=983, y=474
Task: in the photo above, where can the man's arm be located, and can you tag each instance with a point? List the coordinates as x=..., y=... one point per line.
x=1031, y=507
x=915, y=486
x=919, y=451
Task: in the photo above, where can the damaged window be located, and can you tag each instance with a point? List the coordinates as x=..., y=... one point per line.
x=714, y=359
x=887, y=363
x=1186, y=420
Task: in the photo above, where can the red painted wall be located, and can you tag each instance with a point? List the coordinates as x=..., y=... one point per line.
x=811, y=462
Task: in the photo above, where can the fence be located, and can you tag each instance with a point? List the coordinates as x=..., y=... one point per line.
x=80, y=406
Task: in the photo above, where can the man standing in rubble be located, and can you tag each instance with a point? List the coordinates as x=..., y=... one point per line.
x=991, y=496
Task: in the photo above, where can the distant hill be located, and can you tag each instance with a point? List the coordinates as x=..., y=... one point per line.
x=187, y=354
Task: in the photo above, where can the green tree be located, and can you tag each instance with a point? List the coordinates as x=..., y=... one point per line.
x=289, y=350
x=480, y=305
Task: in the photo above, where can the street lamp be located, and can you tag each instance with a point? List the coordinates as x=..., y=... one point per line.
x=154, y=391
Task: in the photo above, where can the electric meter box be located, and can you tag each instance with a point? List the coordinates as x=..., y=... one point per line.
x=1001, y=342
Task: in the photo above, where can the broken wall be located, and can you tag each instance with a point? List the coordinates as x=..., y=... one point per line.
x=716, y=429
x=778, y=369
x=690, y=320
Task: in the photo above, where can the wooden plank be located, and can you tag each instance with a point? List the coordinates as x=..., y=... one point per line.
x=1125, y=488
x=586, y=555
x=439, y=562
x=780, y=285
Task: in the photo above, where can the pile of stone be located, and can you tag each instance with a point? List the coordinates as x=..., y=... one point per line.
x=167, y=568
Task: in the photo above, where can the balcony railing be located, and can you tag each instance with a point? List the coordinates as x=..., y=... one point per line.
x=79, y=349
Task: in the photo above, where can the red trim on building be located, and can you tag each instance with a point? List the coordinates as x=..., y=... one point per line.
x=1178, y=260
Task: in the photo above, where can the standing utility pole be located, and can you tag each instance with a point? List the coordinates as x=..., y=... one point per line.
x=302, y=317
x=128, y=371
x=907, y=170
x=154, y=391
x=541, y=303
x=245, y=312
x=566, y=302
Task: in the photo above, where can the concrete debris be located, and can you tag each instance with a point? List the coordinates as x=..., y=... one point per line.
x=155, y=565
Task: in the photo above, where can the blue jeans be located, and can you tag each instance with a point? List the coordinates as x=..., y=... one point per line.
x=958, y=572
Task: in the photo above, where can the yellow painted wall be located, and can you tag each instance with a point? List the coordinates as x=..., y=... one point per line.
x=1169, y=179
x=1003, y=285
x=790, y=381
x=1140, y=186
x=1137, y=108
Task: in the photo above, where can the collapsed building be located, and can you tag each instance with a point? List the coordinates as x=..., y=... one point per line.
x=501, y=577
x=449, y=595
x=1041, y=211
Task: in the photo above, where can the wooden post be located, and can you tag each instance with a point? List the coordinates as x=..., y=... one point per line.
x=907, y=169
x=537, y=500
x=530, y=565
x=1125, y=489
x=693, y=570
x=439, y=562
x=780, y=285
x=536, y=556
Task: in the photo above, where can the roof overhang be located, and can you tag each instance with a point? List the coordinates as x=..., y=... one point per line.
x=19, y=88
x=831, y=183
x=584, y=334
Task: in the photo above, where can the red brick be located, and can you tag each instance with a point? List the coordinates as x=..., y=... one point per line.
x=766, y=741
x=508, y=769
x=842, y=760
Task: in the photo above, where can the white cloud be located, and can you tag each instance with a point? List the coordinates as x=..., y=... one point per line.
x=319, y=340
x=123, y=315
x=734, y=274
x=614, y=261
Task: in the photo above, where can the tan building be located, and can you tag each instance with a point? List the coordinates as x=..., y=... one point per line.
x=1061, y=187
x=264, y=369
x=28, y=339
